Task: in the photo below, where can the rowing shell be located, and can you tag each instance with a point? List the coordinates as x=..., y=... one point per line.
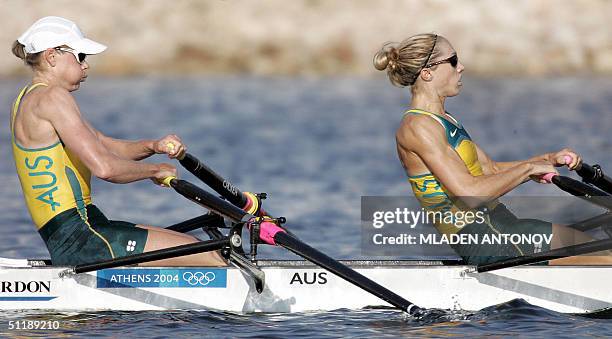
x=297, y=286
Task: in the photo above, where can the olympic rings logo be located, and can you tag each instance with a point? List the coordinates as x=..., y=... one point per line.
x=199, y=278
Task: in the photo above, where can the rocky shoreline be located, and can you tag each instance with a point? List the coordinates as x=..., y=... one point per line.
x=299, y=37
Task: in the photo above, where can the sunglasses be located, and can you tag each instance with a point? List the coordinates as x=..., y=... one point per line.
x=453, y=60
x=79, y=56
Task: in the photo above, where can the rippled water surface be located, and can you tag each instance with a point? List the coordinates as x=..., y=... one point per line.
x=315, y=146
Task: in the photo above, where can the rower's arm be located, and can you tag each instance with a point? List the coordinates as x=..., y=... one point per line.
x=126, y=149
x=142, y=149
x=62, y=111
x=489, y=166
x=427, y=139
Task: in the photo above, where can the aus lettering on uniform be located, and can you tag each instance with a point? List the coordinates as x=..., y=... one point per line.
x=47, y=181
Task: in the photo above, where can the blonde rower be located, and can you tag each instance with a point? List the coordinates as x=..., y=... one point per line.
x=56, y=151
x=448, y=171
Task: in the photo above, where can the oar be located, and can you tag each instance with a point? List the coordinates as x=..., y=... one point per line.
x=574, y=187
x=590, y=174
x=246, y=201
x=271, y=234
x=595, y=175
x=563, y=252
x=204, y=221
x=579, y=189
x=166, y=253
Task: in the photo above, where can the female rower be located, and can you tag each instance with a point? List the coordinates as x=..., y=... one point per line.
x=449, y=172
x=56, y=151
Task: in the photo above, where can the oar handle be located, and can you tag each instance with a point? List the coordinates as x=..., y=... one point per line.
x=549, y=176
x=182, y=156
x=170, y=146
x=167, y=181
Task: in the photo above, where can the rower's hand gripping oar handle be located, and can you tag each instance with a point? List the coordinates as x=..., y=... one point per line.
x=548, y=177
x=592, y=174
x=580, y=189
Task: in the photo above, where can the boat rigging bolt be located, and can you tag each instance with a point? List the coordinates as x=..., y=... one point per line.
x=236, y=240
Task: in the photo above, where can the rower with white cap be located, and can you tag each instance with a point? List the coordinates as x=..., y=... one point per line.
x=56, y=150
x=55, y=31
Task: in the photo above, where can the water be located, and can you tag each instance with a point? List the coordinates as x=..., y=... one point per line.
x=315, y=146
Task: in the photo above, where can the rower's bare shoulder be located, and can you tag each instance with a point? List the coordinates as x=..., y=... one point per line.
x=55, y=95
x=54, y=102
x=418, y=129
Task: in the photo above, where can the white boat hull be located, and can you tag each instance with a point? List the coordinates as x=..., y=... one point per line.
x=296, y=287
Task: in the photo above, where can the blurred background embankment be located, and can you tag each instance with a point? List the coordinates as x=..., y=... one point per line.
x=298, y=37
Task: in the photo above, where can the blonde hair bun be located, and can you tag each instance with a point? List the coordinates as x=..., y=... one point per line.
x=404, y=61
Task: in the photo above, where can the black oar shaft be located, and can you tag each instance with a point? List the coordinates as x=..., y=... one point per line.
x=195, y=223
x=344, y=272
x=214, y=180
x=569, y=251
x=595, y=175
x=603, y=220
x=166, y=253
x=576, y=187
x=209, y=200
x=580, y=189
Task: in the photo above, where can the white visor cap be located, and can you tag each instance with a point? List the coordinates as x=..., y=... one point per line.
x=53, y=31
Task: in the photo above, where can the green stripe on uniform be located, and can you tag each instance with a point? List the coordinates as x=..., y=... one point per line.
x=77, y=193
